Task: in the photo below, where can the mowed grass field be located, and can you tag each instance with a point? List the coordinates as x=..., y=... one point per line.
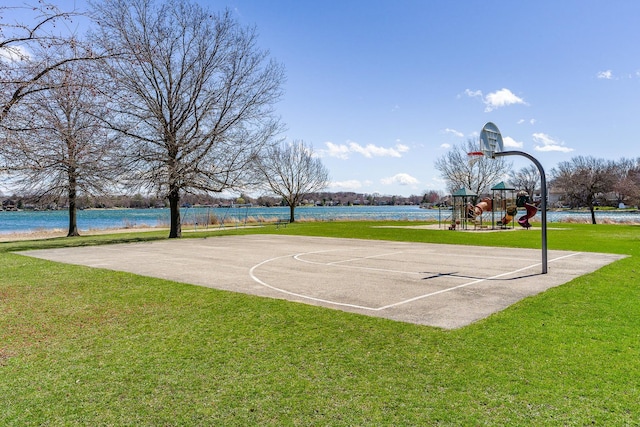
x=83, y=346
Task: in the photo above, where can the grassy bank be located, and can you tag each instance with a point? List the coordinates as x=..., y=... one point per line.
x=82, y=346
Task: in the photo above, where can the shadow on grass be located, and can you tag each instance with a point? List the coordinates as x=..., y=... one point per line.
x=67, y=242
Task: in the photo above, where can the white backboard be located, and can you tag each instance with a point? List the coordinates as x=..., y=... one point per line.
x=491, y=140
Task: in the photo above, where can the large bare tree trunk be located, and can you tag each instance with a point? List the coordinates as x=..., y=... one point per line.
x=73, y=221
x=174, y=206
x=292, y=208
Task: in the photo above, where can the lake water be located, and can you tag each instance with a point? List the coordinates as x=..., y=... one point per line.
x=96, y=219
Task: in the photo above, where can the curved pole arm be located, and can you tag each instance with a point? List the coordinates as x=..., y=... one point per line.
x=543, y=204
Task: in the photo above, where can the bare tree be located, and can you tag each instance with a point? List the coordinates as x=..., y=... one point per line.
x=292, y=171
x=55, y=146
x=627, y=185
x=31, y=49
x=583, y=179
x=477, y=174
x=193, y=93
x=527, y=179
x=432, y=196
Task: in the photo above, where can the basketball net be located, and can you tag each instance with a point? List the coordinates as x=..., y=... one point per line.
x=474, y=157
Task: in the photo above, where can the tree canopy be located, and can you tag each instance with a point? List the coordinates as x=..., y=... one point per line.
x=526, y=178
x=32, y=48
x=193, y=94
x=291, y=171
x=55, y=147
x=583, y=179
x=477, y=174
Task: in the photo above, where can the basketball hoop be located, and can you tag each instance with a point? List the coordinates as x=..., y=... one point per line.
x=474, y=157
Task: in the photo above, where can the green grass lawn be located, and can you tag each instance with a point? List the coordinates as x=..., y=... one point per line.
x=83, y=346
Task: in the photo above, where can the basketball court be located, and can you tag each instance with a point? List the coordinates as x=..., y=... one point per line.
x=446, y=286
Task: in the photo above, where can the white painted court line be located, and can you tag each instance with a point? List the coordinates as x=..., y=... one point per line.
x=473, y=282
x=254, y=277
x=353, y=267
x=430, y=253
x=407, y=301
x=359, y=258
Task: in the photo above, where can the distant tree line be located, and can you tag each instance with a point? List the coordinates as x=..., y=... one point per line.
x=139, y=201
x=590, y=182
x=586, y=182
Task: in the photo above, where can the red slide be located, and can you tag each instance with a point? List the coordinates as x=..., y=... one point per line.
x=531, y=212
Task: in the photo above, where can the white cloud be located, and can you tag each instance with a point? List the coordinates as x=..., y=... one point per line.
x=473, y=93
x=348, y=185
x=546, y=143
x=511, y=143
x=445, y=145
x=453, y=132
x=530, y=121
x=400, y=178
x=14, y=53
x=500, y=98
x=342, y=151
x=371, y=150
x=334, y=150
x=607, y=75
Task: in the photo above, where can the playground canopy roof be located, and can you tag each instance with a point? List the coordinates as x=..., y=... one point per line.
x=463, y=192
x=501, y=186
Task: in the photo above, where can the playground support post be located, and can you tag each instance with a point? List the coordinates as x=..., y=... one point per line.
x=543, y=204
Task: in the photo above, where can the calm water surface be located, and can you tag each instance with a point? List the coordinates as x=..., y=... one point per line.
x=97, y=219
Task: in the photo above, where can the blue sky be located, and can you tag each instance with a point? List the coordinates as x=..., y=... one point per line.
x=383, y=88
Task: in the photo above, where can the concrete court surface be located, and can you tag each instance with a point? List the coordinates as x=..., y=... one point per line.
x=446, y=286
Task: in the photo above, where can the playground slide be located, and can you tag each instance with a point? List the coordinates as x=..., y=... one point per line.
x=511, y=211
x=531, y=212
x=483, y=206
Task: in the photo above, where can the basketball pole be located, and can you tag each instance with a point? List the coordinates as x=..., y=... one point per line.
x=543, y=204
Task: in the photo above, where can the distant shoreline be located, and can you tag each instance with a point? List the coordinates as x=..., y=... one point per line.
x=49, y=224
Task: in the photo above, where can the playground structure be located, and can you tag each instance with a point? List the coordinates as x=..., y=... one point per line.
x=507, y=209
x=485, y=205
x=466, y=213
x=506, y=220
x=460, y=212
x=523, y=202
